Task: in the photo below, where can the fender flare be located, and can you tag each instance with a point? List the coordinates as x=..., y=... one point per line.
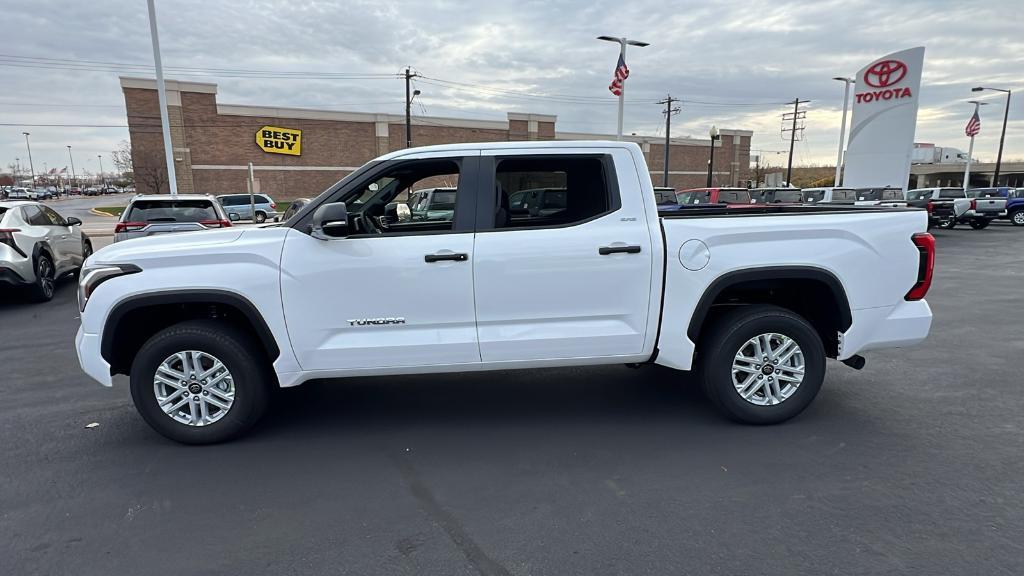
x=204, y=295
x=719, y=284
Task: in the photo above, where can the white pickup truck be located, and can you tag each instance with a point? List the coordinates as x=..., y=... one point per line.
x=755, y=298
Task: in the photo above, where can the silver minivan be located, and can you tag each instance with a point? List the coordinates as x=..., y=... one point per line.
x=242, y=205
x=150, y=214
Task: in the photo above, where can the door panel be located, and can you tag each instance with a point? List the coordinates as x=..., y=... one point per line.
x=420, y=313
x=545, y=293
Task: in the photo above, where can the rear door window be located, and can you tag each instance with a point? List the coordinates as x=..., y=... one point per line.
x=693, y=197
x=171, y=211
x=791, y=196
x=34, y=216
x=734, y=197
x=892, y=194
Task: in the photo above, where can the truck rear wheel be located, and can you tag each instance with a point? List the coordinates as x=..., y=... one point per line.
x=1017, y=218
x=198, y=382
x=980, y=223
x=762, y=364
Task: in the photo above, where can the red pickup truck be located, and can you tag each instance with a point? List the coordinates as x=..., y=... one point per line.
x=730, y=196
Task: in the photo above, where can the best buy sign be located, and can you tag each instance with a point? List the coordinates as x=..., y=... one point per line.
x=276, y=140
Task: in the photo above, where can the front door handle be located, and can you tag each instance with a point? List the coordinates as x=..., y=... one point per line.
x=459, y=257
x=606, y=250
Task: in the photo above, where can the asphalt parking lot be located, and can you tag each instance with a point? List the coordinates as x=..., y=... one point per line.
x=912, y=466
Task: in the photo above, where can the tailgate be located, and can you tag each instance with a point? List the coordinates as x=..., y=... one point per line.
x=990, y=206
x=942, y=208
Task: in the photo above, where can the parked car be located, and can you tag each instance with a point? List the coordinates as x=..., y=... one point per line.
x=74, y=191
x=38, y=246
x=776, y=196
x=19, y=194
x=664, y=197
x=884, y=196
x=989, y=199
x=111, y=190
x=241, y=204
x=150, y=215
x=206, y=328
x=293, y=208
x=432, y=204
x=730, y=196
x=944, y=205
x=92, y=191
x=39, y=194
x=1015, y=206
x=129, y=189
x=829, y=195
x=986, y=206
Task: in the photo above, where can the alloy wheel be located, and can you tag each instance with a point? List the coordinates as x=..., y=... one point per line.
x=768, y=369
x=194, y=388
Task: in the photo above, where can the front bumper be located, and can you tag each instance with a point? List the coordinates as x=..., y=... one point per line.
x=90, y=359
x=899, y=326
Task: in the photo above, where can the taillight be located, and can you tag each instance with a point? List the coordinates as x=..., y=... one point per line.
x=925, y=243
x=273, y=206
x=931, y=207
x=129, y=226
x=974, y=204
x=216, y=223
x=7, y=237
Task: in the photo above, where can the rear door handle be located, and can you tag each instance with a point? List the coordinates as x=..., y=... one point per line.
x=606, y=250
x=459, y=257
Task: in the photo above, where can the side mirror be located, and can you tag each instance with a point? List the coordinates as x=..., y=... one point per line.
x=72, y=221
x=330, y=221
x=397, y=212
x=233, y=217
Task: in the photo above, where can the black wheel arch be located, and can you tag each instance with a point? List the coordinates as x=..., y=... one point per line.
x=776, y=275
x=200, y=303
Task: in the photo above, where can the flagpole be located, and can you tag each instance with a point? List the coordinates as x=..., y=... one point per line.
x=622, y=93
x=172, y=180
x=970, y=150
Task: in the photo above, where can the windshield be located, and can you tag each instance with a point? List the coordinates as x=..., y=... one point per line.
x=984, y=193
x=734, y=197
x=812, y=195
x=918, y=194
x=869, y=193
x=694, y=197
x=171, y=211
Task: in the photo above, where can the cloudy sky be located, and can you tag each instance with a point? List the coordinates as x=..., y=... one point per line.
x=732, y=62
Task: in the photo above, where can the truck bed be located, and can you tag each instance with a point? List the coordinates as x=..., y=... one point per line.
x=774, y=209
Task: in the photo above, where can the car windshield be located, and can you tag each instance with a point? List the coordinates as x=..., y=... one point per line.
x=951, y=193
x=694, y=197
x=918, y=194
x=984, y=193
x=869, y=193
x=171, y=211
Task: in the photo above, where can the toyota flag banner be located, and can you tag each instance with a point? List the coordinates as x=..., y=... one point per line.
x=884, y=119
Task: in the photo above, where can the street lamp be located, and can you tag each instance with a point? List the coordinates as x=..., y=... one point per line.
x=1002, y=136
x=31, y=167
x=622, y=56
x=72, y=158
x=842, y=128
x=711, y=163
x=102, y=181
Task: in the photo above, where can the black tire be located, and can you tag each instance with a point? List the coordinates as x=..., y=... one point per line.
x=86, y=252
x=728, y=335
x=980, y=223
x=261, y=217
x=46, y=280
x=251, y=374
x=1017, y=218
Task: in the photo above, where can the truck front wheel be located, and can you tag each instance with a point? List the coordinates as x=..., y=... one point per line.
x=198, y=382
x=1017, y=218
x=762, y=364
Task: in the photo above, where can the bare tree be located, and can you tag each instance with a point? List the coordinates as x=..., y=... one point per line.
x=122, y=157
x=151, y=180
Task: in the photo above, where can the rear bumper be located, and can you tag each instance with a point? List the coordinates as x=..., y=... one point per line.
x=11, y=278
x=899, y=326
x=15, y=270
x=89, y=357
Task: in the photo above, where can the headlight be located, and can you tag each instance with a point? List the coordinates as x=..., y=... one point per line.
x=93, y=276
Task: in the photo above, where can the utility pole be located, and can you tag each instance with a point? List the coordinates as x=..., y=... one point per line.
x=102, y=181
x=409, y=95
x=797, y=115
x=669, y=112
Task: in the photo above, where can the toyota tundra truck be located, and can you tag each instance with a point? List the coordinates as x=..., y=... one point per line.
x=754, y=300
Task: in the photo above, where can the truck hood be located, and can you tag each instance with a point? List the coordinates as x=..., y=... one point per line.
x=163, y=245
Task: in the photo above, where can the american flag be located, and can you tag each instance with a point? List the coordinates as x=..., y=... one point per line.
x=973, y=125
x=621, y=73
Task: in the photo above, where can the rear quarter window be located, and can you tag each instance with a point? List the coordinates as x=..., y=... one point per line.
x=171, y=211
x=952, y=193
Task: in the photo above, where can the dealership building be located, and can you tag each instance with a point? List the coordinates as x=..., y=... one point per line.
x=300, y=152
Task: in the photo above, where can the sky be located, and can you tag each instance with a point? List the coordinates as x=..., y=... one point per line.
x=733, y=63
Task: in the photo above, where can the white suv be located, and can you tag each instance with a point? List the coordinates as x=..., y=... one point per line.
x=38, y=246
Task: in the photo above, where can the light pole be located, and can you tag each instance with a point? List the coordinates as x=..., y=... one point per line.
x=970, y=150
x=161, y=91
x=842, y=127
x=31, y=168
x=102, y=181
x=1002, y=136
x=711, y=162
x=72, y=158
x=17, y=169
x=622, y=59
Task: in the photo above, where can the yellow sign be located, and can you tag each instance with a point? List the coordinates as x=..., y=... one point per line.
x=277, y=140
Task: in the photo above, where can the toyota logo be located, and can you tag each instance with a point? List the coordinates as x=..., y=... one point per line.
x=885, y=73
